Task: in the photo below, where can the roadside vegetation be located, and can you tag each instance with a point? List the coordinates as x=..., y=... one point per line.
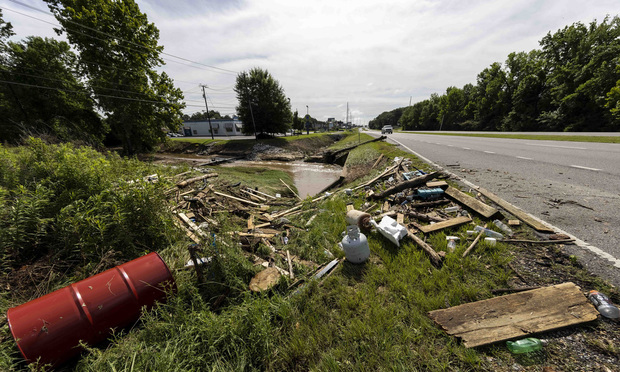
x=539, y=137
x=570, y=84
x=69, y=212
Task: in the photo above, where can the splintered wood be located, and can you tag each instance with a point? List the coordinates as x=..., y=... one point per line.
x=516, y=315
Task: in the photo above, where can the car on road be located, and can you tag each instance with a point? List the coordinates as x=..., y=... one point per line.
x=387, y=129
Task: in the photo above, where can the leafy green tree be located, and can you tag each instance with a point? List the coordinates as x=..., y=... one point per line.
x=298, y=124
x=118, y=49
x=386, y=118
x=46, y=96
x=492, y=101
x=526, y=77
x=270, y=110
x=582, y=60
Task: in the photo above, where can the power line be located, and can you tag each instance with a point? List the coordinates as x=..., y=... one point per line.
x=221, y=70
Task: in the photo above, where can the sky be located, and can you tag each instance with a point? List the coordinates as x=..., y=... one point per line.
x=374, y=55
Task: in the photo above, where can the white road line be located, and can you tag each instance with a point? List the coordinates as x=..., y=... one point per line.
x=559, y=147
x=524, y=158
x=489, y=152
x=450, y=145
x=466, y=148
x=586, y=168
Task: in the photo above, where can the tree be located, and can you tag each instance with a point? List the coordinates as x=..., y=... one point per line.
x=119, y=52
x=270, y=110
x=298, y=124
x=386, y=118
x=45, y=95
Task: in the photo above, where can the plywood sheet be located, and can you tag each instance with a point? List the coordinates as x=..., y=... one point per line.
x=445, y=224
x=516, y=315
x=475, y=204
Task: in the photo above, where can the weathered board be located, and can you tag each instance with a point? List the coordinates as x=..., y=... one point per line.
x=516, y=315
x=515, y=211
x=432, y=184
x=475, y=204
x=265, y=279
x=445, y=224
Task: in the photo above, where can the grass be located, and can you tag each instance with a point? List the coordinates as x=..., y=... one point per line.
x=371, y=316
x=541, y=137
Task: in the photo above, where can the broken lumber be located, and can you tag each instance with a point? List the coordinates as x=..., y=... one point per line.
x=291, y=190
x=440, y=184
x=516, y=315
x=192, y=225
x=470, y=202
x=434, y=256
x=235, y=198
x=472, y=245
x=377, y=162
x=290, y=265
x=445, y=224
x=424, y=217
x=199, y=178
x=406, y=185
x=515, y=211
x=261, y=193
x=253, y=195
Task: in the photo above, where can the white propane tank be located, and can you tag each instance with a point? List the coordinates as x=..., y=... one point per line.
x=355, y=245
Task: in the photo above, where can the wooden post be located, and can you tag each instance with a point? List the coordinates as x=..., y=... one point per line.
x=290, y=265
x=435, y=257
x=474, y=243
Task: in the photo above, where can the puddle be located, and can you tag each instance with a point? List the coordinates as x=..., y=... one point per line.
x=310, y=178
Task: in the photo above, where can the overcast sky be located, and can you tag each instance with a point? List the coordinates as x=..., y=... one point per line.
x=373, y=54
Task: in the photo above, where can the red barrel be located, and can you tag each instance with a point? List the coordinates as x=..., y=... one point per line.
x=50, y=327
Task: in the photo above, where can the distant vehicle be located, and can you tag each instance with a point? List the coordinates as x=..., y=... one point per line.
x=387, y=129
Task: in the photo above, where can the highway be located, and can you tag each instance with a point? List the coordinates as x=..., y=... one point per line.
x=574, y=186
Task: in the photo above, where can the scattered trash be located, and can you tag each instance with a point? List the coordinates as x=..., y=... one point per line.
x=489, y=233
x=429, y=193
x=604, y=305
x=200, y=261
x=503, y=227
x=348, y=191
x=452, y=242
x=51, y=328
x=389, y=228
x=490, y=241
x=452, y=209
x=525, y=345
x=358, y=218
x=355, y=245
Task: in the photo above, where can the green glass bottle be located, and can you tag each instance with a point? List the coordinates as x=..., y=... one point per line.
x=524, y=346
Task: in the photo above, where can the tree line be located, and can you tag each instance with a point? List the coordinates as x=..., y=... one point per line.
x=572, y=83
x=101, y=87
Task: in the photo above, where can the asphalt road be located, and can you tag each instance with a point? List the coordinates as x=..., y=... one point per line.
x=574, y=186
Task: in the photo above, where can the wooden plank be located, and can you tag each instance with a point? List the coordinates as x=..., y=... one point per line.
x=236, y=198
x=385, y=207
x=472, y=203
x=433, y=184
x=517, y=212
x=251, y=222
x=199, y=178
x=291, y=190
x=400, y=218
x=516, y=315
x=192, y=225
x=434, y=256
x=445, y=224
x=377, y=162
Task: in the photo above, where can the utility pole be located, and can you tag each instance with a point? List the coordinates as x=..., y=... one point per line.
x=253, y=122
x=410, y=100
x=204, y=95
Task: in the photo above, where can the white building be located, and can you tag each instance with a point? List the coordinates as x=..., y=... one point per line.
x=221, y=128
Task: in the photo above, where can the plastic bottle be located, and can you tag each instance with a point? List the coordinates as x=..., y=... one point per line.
x=503, y=227
x=451, y=242
x=489, y=233
x=604, y=305
x=452, y=209
x=524, y=346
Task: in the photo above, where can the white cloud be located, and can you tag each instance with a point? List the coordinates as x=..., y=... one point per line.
x=374, y=54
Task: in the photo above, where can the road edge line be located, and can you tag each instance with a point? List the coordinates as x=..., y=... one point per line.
x=580, y=243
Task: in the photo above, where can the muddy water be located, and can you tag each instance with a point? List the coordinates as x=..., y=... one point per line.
x=310, y=178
